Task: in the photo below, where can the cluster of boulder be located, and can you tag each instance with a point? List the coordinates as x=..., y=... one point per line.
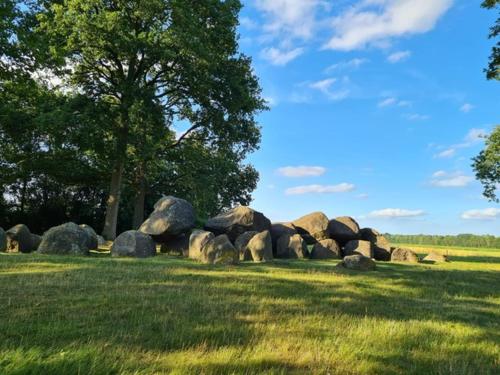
x=239, y=234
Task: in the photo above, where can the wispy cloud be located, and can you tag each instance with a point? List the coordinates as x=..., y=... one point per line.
x=320, y=189
x=387, y=102
x=473, y=137
x=416, y=117
x=466, y=108
x=483, y=214
x=446, y=154
x=301, y=171
x=325, y=87
x=345, y=65
x=395, y=213
x=377, y=22
x=444, y=179
x=280, y=57
x=398, y=56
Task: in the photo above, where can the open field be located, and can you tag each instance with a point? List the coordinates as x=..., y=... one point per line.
x=98, y=315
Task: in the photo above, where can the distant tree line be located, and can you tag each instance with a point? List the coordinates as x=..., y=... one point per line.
x=461, y=240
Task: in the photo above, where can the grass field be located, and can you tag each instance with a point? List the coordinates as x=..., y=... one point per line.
x=97, y=315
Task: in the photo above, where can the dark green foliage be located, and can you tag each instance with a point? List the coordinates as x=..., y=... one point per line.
x=493, y=70
x=487, y=166
x=461, y=240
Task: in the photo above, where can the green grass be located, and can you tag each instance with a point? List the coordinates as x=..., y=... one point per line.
x=97, y=315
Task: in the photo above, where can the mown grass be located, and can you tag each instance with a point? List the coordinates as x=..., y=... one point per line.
x=97, y=315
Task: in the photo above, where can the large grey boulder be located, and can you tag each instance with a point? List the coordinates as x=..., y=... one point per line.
x=364, y=248
x=236, y=221
x=220, y=250
x=404, y=255
x=241, y=245
x=381, y=247
x=326, y=249
x=344, y=229
x=436, y=257
x=280, y=229
x=176, y=245
x=3, y=240
x=312, y=227
x=197, y=241
x=171, y=217
x=65, y=239
x=260, y=247
x=92, y=236
x=101, y=241
x=133, y=244
x=357, y=262
x=36, y=240
x=291, y=247
x=19, y=239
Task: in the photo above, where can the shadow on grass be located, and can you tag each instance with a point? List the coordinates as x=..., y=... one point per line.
x=168, y=305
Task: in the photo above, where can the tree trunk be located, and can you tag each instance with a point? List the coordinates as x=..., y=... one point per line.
x=113, y=203
x=140, y=198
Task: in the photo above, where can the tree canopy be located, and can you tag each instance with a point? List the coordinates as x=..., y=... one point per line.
x=493, y=70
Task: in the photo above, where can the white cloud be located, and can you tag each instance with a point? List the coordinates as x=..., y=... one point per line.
x=344, y=65
x=476, y=135
x=301, y=171
x=320, y=189
x=417, y=117
x=363, y=196
x=376, y=22
x=398, y=56
x=280, y=57
x=467, y=107
x=387, y=102
x=484, y=214
x=473, y=137
x=450, y=180
x=248, y=23
x=446, y=154
x=325, y=86
x=391, y=213
x=290, y=18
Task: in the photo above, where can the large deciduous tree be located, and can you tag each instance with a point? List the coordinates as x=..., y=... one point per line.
x=182, y=54
x=493, y=70
x=487, y=165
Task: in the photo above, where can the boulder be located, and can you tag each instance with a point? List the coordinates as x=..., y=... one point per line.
x=36, y=240
x=291, y=247
x=236, y=221
x=92, y=236
x=344, y=229
x=19, y=239
x=358, y=262
x=360, y=247
x=133, y=244
x=404, y=255
x=65, y=239
x=220, y=250
x=436, y=257
x=197, y=241
x=241, y=245
x=171, y=217
x=3, y=240
x=279, y=229
x=381, y=247
x=176, y=245
x=101, y=241
x=313, y=227
x=260, y=247
x=326, y=249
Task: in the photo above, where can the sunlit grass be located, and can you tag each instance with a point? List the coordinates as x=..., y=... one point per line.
x=99, y=315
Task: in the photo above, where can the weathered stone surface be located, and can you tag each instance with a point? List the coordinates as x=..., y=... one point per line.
x=171, y=217
x=101, y=241
x=260, y=247
x=197, y=241
x=220, y=250
x=434, y=256
x=65, y=239
x=404, y=255
x=92, y=235
x=381, y=247
x=19, y=239
x=326, y=249
x=344, y=229
x=133, y=244
x=358, y=262
x=241, y=245
x=3, y=240
x=312, y=227
x=36, y=240
x=291, y=247
x=236, y=221
x=280, y=229
x=176, y=245
x=360, y=247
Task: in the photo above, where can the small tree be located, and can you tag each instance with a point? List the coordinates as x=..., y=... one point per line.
x=487, y=165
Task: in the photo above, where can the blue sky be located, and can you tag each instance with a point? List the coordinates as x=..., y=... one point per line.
x=377, y=107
